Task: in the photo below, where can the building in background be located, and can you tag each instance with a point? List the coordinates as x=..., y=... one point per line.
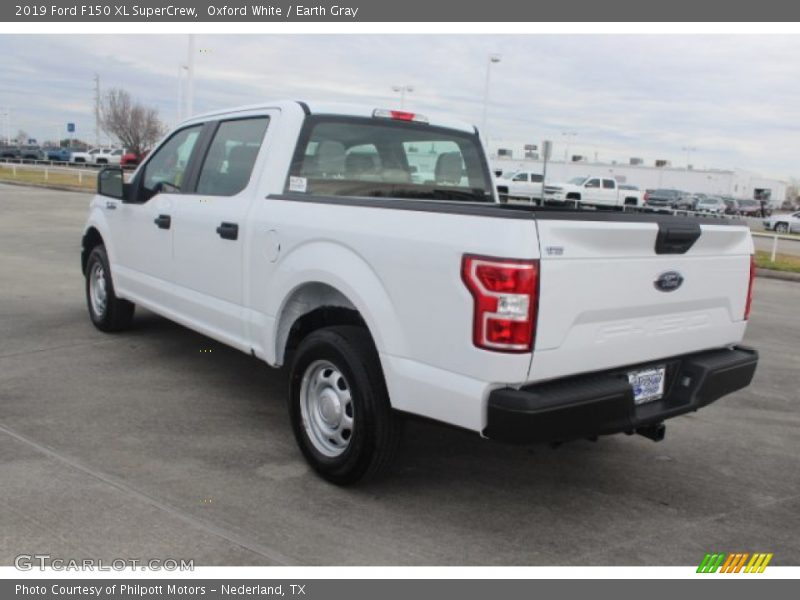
x=643, y=173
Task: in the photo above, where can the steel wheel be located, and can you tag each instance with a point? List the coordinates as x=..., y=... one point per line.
x=781, y=228
x=97, y=289
x=326, y=406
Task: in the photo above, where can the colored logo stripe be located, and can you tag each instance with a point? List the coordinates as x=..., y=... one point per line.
x=734, y=562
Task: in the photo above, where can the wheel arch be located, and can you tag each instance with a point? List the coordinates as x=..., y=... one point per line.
x=310, y=307
x=91, y=239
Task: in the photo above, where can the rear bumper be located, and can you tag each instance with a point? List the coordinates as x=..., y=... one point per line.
x=602, y=403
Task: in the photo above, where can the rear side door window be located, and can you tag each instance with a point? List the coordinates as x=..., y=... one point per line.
x=608, y=184
x=230, y=159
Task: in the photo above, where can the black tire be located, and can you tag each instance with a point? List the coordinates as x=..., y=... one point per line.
x=116, y=314
x=372, y=444
x=782, y=228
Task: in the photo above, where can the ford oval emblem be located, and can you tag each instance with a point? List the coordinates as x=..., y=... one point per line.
x=669, y=281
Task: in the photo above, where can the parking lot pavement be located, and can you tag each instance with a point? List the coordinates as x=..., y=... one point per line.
x=146, y=445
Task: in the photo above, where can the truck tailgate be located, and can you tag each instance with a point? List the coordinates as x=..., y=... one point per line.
x=599, y=303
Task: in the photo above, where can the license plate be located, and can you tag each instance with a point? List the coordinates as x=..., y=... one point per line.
x=647, y=384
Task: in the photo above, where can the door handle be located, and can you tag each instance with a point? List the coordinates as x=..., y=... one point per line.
x=228, y=231
x=163, y=221
x=111, y=205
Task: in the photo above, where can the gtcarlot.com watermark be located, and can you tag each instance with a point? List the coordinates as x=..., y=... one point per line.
x=42, y=562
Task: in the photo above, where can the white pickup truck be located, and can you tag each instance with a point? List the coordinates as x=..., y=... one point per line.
x=296, y=233
x=526, y=185
x=597, y=192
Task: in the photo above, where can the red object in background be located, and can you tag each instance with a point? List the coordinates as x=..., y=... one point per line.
x=131, y=159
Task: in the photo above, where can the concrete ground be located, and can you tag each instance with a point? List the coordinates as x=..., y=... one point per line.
x=141, y=445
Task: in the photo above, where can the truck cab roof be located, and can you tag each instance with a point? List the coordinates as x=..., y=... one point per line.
x=338, y=109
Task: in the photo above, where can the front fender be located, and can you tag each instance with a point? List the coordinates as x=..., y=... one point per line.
x=97, y=220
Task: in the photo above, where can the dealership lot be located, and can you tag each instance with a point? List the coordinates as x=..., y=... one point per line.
x=162, y=443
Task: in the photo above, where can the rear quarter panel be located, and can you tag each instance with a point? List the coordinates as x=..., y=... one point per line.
x=402, y=271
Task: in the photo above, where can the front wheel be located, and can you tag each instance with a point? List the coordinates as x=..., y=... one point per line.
x=107, y=312
x=782, y=228
x=339, y=406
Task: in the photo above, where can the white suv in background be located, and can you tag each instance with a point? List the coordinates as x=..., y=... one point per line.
x=108, y=156
x=85, y=157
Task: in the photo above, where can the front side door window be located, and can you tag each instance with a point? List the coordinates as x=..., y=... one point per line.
x=165, y=170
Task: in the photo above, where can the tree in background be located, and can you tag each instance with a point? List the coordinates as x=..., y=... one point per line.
x=135, y=125
x=792, y=194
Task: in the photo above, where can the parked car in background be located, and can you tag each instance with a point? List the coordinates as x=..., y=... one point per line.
x=132, y=159
x=731, y=207
x=783, y=223
x=626, y=187
x=109, y=156
x=748, y=208
x=526, y=185
x=85, y=157
x=711, y=204
x=688, y=202
x=9, y=151
x=597, y=192
x=31, y=152
x=59, y=154
x=664, y=198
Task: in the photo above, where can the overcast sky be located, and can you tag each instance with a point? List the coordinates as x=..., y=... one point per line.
x=734, y=98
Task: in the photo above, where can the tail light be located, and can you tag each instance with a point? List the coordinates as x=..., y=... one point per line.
x=505, y=291
x=749, y=302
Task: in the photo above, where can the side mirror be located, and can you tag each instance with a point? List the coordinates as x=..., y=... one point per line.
x=110, y=183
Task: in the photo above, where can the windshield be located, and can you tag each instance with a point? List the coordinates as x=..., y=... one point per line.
x=370, y=157
x=578, y=180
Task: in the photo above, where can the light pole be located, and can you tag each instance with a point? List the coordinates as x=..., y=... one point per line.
x=5, y=117
x=190, y=77
x=688, y=150
x=181, y=69
x=402, y=90
x=569, y=135
x=493, y=58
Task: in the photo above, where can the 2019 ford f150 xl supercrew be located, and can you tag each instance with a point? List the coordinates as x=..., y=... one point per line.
x=296, y=233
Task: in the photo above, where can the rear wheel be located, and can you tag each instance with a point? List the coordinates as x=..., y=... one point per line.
x=339, y=406
x=107, y=312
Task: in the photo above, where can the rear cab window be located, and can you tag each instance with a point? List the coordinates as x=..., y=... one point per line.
x=382, y=158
